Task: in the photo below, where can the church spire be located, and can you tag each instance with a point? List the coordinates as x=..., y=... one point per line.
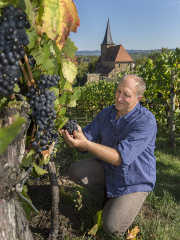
x=107, y=37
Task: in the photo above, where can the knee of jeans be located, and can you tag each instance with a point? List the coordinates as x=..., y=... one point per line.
x=111, y=228
x=108, y=227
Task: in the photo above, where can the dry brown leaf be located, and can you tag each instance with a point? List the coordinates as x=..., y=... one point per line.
x=133, y=233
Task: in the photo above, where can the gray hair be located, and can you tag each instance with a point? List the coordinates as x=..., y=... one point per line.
x=140, y=84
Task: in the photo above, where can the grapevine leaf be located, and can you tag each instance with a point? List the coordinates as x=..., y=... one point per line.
x=177, y=110
x=29, y=11
x=62, y=98
x=43, y=58
x=39, y=170
x=57, y=18
x=72, y=103
x=69, y=49
x=74, y=97
x=16, y=88
x=4, y=3
x=2, y=102
x=98, y=218
x=27, y=161
x=98, y=223
x=19, y=4
x=93, y=230
x=36, y=53
x=56, y=93
x=62, y=121
x=8, y=134
x=68, y=86
x=69, y=70
x=62, y=111
x=46, y=158
x=55, y=90
x=32, y=35
x=56, y=104
x=76, y=93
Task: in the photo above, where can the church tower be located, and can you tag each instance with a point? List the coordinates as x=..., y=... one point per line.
x=107, y=42
x=113, y=60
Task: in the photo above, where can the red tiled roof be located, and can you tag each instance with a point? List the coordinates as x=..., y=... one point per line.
x=117, y=53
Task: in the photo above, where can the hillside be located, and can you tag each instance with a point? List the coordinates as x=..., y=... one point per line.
x=98, y=52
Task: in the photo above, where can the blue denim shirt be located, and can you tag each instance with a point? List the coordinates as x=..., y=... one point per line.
x=133, y=136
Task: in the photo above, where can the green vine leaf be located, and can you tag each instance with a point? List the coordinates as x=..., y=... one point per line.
x=62, y=111
x=44, y=59
x=98, y=223
x=32, y=35
x=74, y=97
x=29, y=158
x=62, y=99
x=30, y=12
x=45, y=160
x=61, y=121
x=8, y=134
x=4, y=3
x=39, y=170
x=68, y=86
x=69, y=49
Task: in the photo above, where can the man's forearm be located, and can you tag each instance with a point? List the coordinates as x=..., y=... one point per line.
x=104, y=153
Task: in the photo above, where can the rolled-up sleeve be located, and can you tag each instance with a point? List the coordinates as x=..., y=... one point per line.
x=136, y=141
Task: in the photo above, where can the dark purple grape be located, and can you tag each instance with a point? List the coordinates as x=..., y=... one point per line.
x=13, y=38
x=70, y=126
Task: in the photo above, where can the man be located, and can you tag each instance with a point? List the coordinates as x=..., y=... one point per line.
x=122, y=138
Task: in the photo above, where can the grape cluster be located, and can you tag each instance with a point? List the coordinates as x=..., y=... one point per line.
x=44, y=114
x=41, y=100
x=70, y=126
x=13, y=38
x=47, y=81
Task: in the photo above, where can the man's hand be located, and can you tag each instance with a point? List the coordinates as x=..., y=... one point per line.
x=77, y=140
x=102, y=152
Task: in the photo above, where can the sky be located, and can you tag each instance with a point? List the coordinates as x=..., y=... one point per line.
x=136, y=24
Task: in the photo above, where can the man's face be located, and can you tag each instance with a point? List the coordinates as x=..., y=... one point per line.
x=126, y=96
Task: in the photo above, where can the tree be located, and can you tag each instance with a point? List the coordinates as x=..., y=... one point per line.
x=87, y=64
x=162, y=73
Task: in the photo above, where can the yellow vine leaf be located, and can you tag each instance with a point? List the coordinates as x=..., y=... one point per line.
x=69, y=70
x=93, y=230
x=133, y=233
x=39, y=171
x=58, y=18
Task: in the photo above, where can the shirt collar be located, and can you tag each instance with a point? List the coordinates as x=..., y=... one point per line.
x=127, y=117
x=129, y=114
